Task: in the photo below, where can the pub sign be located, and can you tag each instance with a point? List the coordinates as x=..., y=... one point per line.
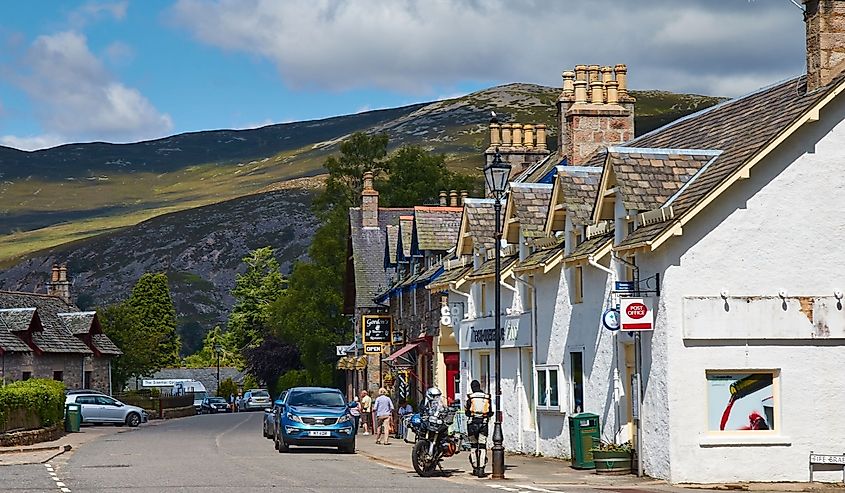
x=377, y=329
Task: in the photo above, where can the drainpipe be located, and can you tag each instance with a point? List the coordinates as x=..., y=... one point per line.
x=110, y=386
x=519, y=372
x=600, y=267
x=533, y=289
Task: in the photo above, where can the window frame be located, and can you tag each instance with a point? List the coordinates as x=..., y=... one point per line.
x=776, y=427
x=578, y=284
x=570, y=378
x=548, y=407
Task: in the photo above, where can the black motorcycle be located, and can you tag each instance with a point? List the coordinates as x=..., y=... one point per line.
x=433, y=442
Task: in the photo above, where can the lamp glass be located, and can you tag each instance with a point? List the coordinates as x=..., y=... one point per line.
x=496, y=174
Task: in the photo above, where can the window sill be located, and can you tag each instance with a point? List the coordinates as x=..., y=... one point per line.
x=744, y=441
x=551, y=410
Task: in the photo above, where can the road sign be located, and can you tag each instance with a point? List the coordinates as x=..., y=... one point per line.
x=377, y=329
x=372, y=348
x=342, y=350
x=625, y=286
x=610, y=319
x=636, y=314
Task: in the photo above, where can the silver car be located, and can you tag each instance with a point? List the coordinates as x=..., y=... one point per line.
x=256, y=399
x=99, y=408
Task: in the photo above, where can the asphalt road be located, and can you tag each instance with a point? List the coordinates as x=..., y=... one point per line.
x=214, y=453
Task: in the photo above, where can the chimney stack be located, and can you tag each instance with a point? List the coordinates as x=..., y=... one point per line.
x=59, y=285
x=369, y=202
x=597, y=112
x=825, y=26
x=453, y=198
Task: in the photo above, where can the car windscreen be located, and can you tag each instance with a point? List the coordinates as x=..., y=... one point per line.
x=217, y=399
x=317, y=398
x=261, y=393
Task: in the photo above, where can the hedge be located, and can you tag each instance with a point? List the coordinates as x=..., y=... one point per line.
x=45, y=398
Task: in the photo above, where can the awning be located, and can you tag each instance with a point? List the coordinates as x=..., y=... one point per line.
x=402, y=352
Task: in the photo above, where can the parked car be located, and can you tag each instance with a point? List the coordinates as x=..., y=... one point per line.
x=314, y=416
x=255, y=399
x=213, y=405
x=99, y=408
x=83, y=391
x=269, y=416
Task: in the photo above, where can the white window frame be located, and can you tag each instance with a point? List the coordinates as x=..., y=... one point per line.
x=559, y=408
x=776, y=427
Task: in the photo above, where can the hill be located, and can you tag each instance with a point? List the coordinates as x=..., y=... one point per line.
x=76, y=191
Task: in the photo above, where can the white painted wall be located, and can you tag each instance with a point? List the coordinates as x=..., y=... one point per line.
x=779, y=230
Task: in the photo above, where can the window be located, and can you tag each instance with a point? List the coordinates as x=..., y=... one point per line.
x=26, y=375
x=484, y=372
x=742, y=401
x=576, y=380
x=105, y=401
x=59, y=376
x=548, y=388
x=86, y=380
x=578, y=285
x=86, y=399
x=483, y=300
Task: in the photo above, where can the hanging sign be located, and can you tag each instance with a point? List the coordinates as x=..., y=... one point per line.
x=624, y=286
x=610, y=319
x=636, y=314
x=372, y=348
x=377, y=329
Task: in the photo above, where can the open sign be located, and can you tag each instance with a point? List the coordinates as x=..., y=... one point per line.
x=636, y=314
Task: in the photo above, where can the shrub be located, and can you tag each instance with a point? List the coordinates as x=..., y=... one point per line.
x=45, y=398
x=227, y=387
x=290, y=379
x=606, y=446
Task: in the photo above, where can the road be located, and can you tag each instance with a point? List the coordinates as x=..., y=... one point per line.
x=214, y=453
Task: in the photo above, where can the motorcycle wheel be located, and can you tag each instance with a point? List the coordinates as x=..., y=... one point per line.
x=419, y=456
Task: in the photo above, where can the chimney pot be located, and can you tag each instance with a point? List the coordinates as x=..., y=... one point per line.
x=444, y=201
x=622, y=79
x=516, y=129
x=612, y=88
x=568, y=87
x=506, y=135
x=528, y=135
x=54, y=275
x=594, y=72
x=597, y=91
x=580, y=72
x=606, y=74
x=580, y=91
x=495, y=134
x=541, y=136
x=453, y=198
x=464, y=196
x=369, y=202
x=368, y=180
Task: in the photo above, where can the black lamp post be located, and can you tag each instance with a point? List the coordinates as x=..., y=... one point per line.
x=217, y=349
x=497, y=174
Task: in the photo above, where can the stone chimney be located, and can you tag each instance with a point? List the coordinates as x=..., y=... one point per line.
x=59, y=284
x=594, y=111
x=369, y=202
x=521, y=145
x=825, y=24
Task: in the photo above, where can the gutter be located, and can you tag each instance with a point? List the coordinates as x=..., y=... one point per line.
x=592, y=261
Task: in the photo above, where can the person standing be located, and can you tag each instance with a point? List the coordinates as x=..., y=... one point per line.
x=479, y=411
x=366, y=411
x=355, y=411
x=383, y=407
x=405, y=409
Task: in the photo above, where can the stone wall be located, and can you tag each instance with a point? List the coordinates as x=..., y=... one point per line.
x=22, y=438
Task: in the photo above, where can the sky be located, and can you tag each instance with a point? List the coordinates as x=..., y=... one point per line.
x=130, y=70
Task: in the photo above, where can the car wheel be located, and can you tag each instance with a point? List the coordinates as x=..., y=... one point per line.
x=281, y=446
x=347, y=449
x=133, y=420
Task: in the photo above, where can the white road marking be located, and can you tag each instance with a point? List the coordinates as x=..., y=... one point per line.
x=65, y=490
x=523, y=488
x=59, y=484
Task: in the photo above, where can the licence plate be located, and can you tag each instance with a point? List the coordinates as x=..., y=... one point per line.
x=319, y=433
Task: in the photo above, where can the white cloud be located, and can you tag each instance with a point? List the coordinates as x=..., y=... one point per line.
x=92, y=11
x=32, y=143
x=76, y=98
x=425, y=46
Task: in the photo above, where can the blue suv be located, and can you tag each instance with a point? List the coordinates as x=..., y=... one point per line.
x=314, y=416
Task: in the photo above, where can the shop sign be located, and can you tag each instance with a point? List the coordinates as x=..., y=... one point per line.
x=481, y=333
x=624, y=286
x=819, y=462
x=372, y=348
x=377, y=329
x=636, y=314
x=342, y=350
x=610, y=319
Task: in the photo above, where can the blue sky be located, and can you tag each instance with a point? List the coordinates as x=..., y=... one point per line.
x=121, y=71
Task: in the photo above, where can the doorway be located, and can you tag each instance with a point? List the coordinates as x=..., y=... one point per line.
x=453, y=375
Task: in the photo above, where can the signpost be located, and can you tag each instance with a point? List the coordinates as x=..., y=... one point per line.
x=820, y=462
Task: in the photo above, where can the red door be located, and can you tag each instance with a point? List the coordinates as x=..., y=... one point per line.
x=453, y=375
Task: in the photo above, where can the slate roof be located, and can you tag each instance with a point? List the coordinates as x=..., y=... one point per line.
x=590, y=247
x=14, y=320
x=579, y=185
x=392, y=243
x=488, y=268
x=538, y=170
x=77, y=322
x=647, y=178
x=436, y=228
x=540, y=257
x=740, y=128
x=371, y=278
x=529, y=205
x=55, y=338
x=406, y=235
x=479, y=215
x=105, y=345
x=442, y=281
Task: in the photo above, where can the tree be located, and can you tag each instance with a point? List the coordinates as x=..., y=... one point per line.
x=415, y=176
x=144, y=328
x=255, y=289
x=271, y=359
x=359, y=153
x=206, y=357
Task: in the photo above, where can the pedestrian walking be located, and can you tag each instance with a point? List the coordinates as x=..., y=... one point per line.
x=383, y=408
x=366, y=411
x=355, y=411
x=405, y=410
x=231, y=402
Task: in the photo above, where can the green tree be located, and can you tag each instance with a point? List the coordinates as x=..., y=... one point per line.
x=207, y=356
x=144, y=328
x=359, y=153
x=255, y=289
x=414, y=177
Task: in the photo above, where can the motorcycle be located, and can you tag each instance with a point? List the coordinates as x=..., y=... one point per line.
x=433, y=440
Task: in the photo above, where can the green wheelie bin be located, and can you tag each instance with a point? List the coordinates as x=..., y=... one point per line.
x=73, y=417
x=584, y=434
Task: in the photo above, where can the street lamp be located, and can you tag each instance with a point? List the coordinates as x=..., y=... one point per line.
x=217, y=349
x=497, y=174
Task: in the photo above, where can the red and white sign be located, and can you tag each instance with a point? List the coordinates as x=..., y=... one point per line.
x=636, y=314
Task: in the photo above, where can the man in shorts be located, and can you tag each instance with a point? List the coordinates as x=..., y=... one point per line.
x=366, y=411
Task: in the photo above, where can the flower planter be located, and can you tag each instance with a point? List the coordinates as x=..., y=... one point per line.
x=608, y=462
